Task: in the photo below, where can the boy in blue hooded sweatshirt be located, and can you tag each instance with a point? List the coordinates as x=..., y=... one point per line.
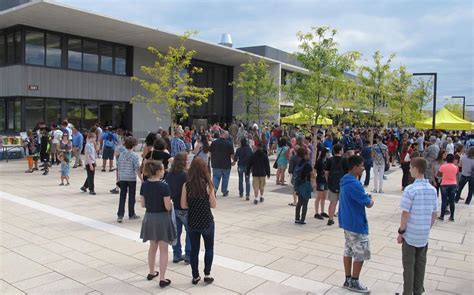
x=352, y=218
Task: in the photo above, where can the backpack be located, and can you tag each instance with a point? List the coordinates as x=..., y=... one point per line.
x=348, y=143
x=109, y=141
x=335, y=174
x=297, y=171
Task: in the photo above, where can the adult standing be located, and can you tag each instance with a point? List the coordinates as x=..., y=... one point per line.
x=157, y=226
x=242, y=157
x=90, y=159
x=221, y=162
x=177, y=144
x=259, y=165
x=159, y=153
x=201, y=150
x=448, y=173
x=405, y=157
x=77, y=146
x=176, y=178
x=282, y=161
x=303, y=185
x=467, y=167
x=321, y=185
x=419, y=206
x=380, y=155
x=366, y=154
x=198, y=196
x=149, y=142
x=109, y=142
x=430, y=154
x=353, y=219
x=128, y=169
x=335, y=169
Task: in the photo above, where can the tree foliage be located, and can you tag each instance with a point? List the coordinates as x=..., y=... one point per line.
x=259, y=91
x=169, y=81
x=453, y=106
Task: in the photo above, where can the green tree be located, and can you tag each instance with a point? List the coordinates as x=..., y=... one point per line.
x=376, y=79
x=170, y=81
x=422, y=93
x=453, y=106
x=259, y=91
x=317, y=90
x=403, y=107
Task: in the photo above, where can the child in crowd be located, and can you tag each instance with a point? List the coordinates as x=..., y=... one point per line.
x=30, y=152
x=64, y=167
x=259, y=165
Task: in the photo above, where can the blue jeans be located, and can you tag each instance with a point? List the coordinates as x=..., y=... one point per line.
x=242, y=174
x=195, y=237
x=217, y=174
x=462, y=182
x=448, y=193
x=181, y=220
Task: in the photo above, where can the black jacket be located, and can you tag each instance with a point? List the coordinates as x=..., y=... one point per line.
x=259, y=164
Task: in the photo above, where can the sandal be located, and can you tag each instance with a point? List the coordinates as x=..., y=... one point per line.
x=196, y=280
x=164, y=283
x=208, y=280
x=152, y=276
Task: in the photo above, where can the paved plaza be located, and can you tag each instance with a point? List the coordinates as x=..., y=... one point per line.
x=58, y=240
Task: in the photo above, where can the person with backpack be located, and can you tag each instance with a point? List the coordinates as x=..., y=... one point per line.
x=347, y=141
x=336, y=167
x=380, y=156
x=260, y=167
x=110, y=140
x=304, y=175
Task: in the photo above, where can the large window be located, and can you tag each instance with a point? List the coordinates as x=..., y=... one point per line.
x=3, y=56
x=106, y=58
x=73, y=112
x=74, y=55
x=13, y=48
x=120, y=60
x=53, y=50
x=52, y=111
x=91, y=56
x=120, y=115
x=34, y=48
x=34, y=112
x=2, y=115
x=91, y=113
x=14, y=115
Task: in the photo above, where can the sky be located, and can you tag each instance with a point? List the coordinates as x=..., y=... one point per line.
x=426, y=35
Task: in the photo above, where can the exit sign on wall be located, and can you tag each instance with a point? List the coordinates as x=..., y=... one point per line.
x=33, y=87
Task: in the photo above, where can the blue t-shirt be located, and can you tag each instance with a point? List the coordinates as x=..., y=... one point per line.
x=110, y=139
x=352, y=202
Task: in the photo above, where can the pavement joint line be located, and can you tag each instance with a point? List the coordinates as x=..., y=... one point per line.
x=222, y=261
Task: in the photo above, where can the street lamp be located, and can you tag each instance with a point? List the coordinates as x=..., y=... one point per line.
x=434, y=94
x=463, y=103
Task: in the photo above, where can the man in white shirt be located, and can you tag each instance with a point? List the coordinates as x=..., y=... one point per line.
x=419, y=210
x=56, y=135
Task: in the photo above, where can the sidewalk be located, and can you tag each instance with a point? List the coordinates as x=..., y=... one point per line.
x=60, y=240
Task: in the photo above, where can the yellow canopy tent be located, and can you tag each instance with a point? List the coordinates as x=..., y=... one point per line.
x=305, y=118
x=445, y=120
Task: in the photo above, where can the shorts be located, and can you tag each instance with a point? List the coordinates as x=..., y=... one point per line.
x=282, y=166
x=332, y=196
x=356, y=246
x=258, y=182
x=321, y=186
x=108, y=153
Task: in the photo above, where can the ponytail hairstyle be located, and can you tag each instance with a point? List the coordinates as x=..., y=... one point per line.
x=152, y=167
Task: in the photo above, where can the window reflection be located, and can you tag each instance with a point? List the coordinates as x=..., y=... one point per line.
x=34, y=112
x=91, y=114
x=106, y=58
x=74, y=54
x=91, y=56
x=120, y=60
x=53, y=50
x=34, y=49
x=74, y=112
x=52, y=111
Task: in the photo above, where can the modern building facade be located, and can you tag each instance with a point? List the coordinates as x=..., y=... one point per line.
x=60, y=62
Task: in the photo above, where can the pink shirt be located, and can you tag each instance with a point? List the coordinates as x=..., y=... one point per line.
x=449, y=171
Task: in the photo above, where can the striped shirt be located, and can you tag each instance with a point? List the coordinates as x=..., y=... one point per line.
x=420, y=200
x=177, y=146
x=128, y=165
x=90, y=153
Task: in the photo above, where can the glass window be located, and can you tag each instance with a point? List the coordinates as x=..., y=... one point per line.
x=74, y=59
x=10, y=48
x=74, y=112
x=106, y=114
x=14, y=114
x=106, y=58
x=18, y=48
x=120, y=60
x=52, y=111
x=34, y=112
x=2, y=114
x=119, y=115
x=91, y=113
x=34, y=49
x=3, y=56
x=53, y=50
x=91, y=56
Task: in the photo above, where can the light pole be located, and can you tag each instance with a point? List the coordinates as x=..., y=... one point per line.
x=434, y=94
x=463, y=103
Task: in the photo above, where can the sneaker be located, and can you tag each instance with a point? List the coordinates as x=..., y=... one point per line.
x=226, y=194
x=317, y=216
x=297, y=221
x=92, y=193
x=241, y=195
x=356, y=286
x=330, y=222
x=441, y=218
x=302, y=222
x=67, y=184
x=114, y=191
x=119, y=219
x=324, y=215
x=374, y=191
x=381, y=192
x=61, y=184
x=178, y=259
x=83, y=189
x=247, y=198
x=45, y=173
x=347, y=282
x=451, y=218
x=75, y=166
x=261, y=200
x=255, y=201
x=134, y=217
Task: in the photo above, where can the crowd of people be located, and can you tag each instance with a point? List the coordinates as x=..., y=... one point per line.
x=181, y=170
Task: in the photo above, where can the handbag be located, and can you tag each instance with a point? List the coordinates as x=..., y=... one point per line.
x=387, y=165
x=275, y=165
